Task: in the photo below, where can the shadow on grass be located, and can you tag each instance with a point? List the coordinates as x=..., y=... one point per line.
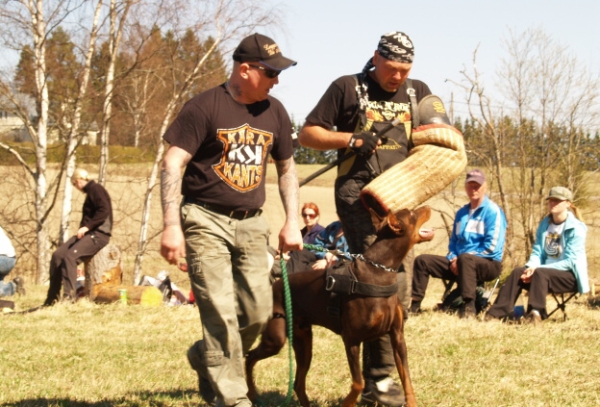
x=276, y=399
x=160, y=399
x=137, y=399
x=594, y=302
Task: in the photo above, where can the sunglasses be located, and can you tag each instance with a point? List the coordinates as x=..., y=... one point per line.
x=269, y=73
x=309, y=215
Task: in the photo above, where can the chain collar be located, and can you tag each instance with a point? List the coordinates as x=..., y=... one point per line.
x=372, y=263
x=347, y=255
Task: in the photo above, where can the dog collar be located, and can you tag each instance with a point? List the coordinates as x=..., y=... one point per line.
x=372, y=263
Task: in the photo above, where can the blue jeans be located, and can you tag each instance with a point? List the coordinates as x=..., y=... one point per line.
x=6, y=266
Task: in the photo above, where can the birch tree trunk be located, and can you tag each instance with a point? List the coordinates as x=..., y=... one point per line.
x=226, y=20
x=38, y=25
x=73, y=138
x=143, y=237
x=116, y=29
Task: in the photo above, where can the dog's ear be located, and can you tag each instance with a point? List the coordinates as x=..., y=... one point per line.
x=399, y=221
x=395, y=224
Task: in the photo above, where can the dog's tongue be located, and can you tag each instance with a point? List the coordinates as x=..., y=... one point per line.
x=426, y=234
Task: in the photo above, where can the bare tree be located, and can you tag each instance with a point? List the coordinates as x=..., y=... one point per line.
x=26, y=23
x=530, y=129
x=224, y=22
x=74, y=138
x=118, y=14
x=492, y=133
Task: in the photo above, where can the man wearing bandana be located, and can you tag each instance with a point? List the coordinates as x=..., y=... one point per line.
x=358, y=106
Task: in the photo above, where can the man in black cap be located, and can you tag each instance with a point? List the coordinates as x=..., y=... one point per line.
x=221, y=138
x=475, y=249
x=358, y=106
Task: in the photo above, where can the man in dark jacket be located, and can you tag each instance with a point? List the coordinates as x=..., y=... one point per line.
x=93, y=234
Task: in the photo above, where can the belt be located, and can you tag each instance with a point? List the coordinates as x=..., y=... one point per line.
x=223, y=210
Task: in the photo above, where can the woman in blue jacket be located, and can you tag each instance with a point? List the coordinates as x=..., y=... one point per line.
x=557, y=263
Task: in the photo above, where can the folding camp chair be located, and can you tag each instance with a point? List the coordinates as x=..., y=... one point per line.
x=451, y=298
x=448, y=284
x=561, y=303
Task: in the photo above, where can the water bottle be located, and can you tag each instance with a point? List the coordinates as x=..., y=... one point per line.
x=518, y=312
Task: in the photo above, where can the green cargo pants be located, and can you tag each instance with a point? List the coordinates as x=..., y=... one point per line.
x=229, y=274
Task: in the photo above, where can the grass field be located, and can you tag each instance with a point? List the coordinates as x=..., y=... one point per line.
x=116, y=355
x=113, y=355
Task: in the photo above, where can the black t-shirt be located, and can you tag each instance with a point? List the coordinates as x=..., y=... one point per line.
x=338, y=107
x=97, y=208
x=229, y=143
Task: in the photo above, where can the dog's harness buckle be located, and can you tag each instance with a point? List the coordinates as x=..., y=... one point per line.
x=329, y=283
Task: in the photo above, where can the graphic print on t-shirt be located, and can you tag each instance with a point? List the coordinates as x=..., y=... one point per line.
x=552, y=246
x=244, y=153
x=385, y=112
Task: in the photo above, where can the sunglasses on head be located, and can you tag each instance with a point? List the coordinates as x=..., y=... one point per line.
x=269, y=73
x=309, y=215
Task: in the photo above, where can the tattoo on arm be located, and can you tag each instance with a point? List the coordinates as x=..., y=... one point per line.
x=169, y=194
x=288, y=187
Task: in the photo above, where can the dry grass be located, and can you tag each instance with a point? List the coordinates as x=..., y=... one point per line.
x=113, y=355
x=94, y=355
x=127, y=184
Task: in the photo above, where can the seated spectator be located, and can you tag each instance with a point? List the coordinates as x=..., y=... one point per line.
x=93, y=234
x=310, y=215
x=331, y=238
x=475, y=249
x=557, y=262
x=7, y=263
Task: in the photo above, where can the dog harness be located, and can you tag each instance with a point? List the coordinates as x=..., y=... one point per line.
x=341, y=281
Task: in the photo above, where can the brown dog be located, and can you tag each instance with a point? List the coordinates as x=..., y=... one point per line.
x=363, y=318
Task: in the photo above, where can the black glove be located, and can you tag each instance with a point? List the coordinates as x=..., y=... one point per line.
x=369, y=142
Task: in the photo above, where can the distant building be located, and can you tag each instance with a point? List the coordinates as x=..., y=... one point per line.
x=12, y=126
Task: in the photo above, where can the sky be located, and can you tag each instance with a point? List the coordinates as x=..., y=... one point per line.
x=330, y=38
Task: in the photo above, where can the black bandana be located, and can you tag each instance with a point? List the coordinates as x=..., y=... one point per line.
x=396, y=46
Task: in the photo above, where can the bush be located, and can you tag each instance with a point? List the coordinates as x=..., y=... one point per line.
x=85, y=154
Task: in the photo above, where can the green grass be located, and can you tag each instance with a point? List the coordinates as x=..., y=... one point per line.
x=114, y=355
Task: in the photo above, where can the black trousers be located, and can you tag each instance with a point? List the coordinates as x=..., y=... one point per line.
x=378, y=356
x=543, y=281
x=63, y=265
x=472, y=270
x=300, y=260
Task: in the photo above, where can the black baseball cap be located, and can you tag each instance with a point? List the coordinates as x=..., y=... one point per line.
x=260, y=48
